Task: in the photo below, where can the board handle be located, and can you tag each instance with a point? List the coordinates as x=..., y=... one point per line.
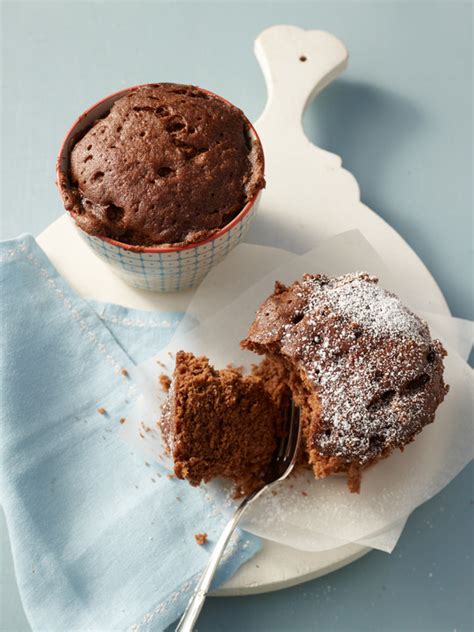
x=297, y=65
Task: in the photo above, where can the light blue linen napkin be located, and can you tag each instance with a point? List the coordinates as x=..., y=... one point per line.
x=100, y=540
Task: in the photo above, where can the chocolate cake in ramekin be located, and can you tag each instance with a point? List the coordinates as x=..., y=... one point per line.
x=161, y=180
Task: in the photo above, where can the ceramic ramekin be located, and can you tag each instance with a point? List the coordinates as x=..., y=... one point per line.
x=159, y=269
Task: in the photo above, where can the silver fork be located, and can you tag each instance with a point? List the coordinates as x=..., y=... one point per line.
x=282, y=466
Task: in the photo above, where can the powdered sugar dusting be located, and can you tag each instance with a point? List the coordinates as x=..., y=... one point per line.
x=358, y=298
x=371, y=361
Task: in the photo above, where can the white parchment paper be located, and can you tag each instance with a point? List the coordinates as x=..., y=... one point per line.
x=308, y=514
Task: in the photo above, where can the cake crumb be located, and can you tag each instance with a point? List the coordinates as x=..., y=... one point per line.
x=201, y=538
x=170, y=476
x=101, y=410
x=123, y=372
x=304, y=493
x=165, y=382
x=122, y=420
x=238, y=369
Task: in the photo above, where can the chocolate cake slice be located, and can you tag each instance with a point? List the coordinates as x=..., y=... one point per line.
x=361, y=366
x=220, y=423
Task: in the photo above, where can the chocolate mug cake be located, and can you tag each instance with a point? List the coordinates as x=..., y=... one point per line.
x=167, y=164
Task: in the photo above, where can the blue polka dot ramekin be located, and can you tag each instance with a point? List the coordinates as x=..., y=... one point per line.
x=158, y=269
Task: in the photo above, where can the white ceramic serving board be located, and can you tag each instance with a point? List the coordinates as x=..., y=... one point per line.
x=309, y=197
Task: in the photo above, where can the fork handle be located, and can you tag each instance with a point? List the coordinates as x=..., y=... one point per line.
x=199, y=595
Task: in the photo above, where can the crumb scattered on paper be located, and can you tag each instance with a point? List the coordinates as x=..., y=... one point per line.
x=200, y=538
x=101, y=410
x=122, y=420
x=165, y=382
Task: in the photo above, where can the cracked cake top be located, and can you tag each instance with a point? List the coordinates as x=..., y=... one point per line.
x=168, y=164
x=377, y=373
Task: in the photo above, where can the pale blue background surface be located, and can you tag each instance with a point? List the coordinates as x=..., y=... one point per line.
x=401, y=117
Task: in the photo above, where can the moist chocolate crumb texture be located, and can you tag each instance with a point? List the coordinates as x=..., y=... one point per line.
x=168, y=164
x=219, y=424
x=363, y=368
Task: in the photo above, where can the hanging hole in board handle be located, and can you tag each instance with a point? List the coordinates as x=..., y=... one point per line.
x=279, y=50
